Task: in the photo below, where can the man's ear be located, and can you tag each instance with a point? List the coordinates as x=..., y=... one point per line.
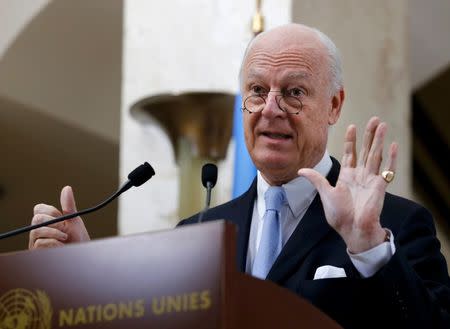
x=336, y=105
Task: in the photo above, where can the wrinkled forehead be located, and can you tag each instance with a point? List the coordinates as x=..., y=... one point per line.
x=300, y=57
x=301, y=52
x=283, y=65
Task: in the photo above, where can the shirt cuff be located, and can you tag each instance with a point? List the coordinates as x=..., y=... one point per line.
x=370, y=261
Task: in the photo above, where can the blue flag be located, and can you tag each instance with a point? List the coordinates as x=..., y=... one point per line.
x=244, y=170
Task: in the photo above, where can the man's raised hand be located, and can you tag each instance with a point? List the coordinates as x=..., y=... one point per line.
x=354, y=205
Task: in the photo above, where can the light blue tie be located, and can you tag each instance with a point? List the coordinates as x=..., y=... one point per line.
x=270, y=244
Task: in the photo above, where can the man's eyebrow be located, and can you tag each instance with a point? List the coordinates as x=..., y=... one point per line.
x=298, y=75
x=290, y=76
x=253, y=75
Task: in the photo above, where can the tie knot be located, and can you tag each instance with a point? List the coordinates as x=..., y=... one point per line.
x=274, y=197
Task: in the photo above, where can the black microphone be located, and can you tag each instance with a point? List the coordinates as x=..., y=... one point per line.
x=136, y=178
x=209, y=179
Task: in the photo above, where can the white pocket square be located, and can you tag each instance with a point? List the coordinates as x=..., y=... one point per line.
x=328, y=272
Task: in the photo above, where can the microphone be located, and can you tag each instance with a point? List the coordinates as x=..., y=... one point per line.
x=209, y=179
x=136, y=178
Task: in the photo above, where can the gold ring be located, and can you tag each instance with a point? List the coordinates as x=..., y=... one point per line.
x=388, y=175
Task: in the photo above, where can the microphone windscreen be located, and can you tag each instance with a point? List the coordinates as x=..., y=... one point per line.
x=141, y=174
x=209, y=174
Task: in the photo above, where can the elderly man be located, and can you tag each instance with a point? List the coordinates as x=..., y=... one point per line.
x=327, y=232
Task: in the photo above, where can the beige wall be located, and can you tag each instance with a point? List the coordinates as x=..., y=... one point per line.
x=64, y=58
x=14, y=17
x=60, y=83
x=429, y=45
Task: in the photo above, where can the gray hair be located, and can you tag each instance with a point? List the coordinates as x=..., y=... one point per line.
x=337, y=81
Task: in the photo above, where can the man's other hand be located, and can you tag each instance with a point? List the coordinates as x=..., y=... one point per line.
x=59, y=234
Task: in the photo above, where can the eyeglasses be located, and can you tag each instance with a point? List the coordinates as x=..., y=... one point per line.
x=288, y=104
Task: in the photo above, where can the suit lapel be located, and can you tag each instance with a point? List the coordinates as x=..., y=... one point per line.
x=311, y=229
x=241, y=215
x=244, y=227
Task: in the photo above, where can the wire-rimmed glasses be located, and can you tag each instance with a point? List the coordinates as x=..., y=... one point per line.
x=288, y=104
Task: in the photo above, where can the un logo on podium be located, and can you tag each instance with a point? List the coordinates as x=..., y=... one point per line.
x=23, y=309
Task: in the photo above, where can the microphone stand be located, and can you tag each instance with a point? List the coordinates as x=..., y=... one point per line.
x=136, y=178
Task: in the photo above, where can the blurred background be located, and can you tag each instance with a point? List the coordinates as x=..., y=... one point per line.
x=89, y=89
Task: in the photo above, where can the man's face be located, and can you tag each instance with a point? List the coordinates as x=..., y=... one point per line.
x=280, y=143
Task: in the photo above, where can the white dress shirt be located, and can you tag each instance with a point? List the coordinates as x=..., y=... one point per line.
x=300, y=193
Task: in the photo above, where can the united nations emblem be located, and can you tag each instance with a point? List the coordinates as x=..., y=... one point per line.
x=23, y=309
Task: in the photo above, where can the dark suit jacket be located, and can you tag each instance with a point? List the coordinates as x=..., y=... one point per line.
x=411, y=291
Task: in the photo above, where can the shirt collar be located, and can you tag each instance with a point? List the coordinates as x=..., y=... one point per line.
x=299, y=191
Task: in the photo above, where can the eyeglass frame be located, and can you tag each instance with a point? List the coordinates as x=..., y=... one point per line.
x=277, y=100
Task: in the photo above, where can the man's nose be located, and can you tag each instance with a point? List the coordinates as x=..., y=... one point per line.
x=271, y=108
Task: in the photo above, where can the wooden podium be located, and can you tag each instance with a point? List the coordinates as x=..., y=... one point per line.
x=182, y=278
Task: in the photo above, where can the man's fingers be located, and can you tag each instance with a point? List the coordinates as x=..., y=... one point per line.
x=46, y=209
x=45, y=233
x=375, y=157
x=349, y=157
x=41, y=218
x=319, y=182
x=68, y=201
x=56, y=234
x=47, y=243
x=392, y=158
x=367, y=140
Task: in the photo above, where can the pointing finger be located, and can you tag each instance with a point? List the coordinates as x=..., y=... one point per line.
x=367, y=140
x=375, y=157
x=349, y=157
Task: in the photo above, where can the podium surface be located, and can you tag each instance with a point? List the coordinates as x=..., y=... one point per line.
x=182, y=278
